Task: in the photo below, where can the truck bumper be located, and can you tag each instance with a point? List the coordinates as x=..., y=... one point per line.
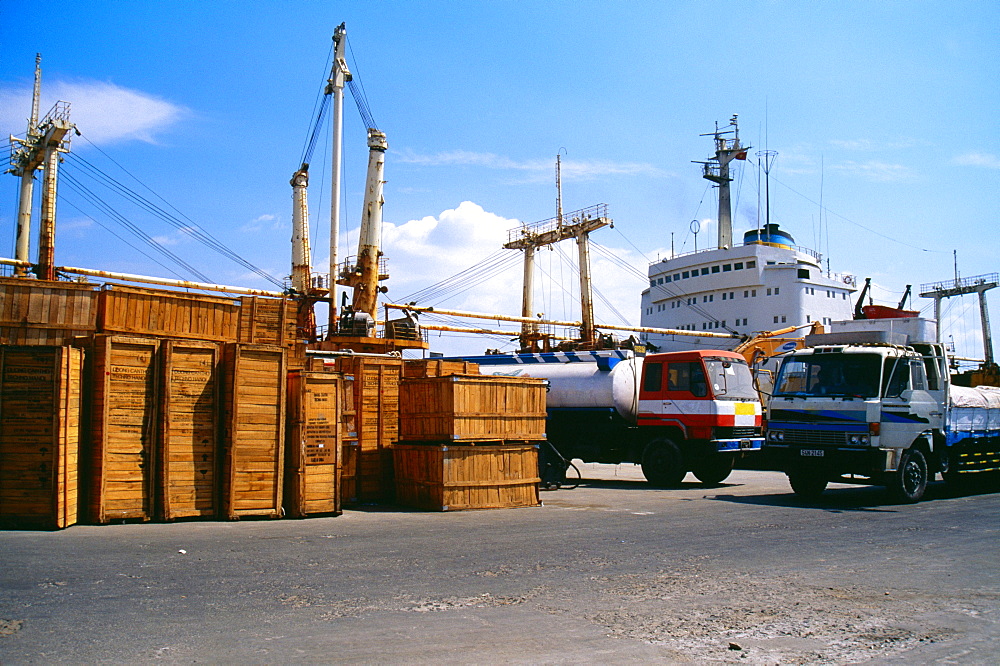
x=736, y=445
x=838, y=461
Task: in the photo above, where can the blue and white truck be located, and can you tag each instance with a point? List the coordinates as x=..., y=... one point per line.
x=878, y=407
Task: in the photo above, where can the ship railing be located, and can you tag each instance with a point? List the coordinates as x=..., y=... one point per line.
x=798, y=248
x=552, y=224
x=962, y=283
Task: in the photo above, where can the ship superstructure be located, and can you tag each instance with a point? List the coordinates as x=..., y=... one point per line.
x=764, y=283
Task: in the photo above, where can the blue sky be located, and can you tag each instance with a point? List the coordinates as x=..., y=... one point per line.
x=885, y=111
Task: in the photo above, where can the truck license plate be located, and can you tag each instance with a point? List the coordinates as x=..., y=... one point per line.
x=816, y=453
x=746, y=444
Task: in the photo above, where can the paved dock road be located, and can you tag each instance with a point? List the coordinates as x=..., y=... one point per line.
x=743, y=572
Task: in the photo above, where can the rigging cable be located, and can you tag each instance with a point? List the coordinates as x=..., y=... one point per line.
x=191, y=228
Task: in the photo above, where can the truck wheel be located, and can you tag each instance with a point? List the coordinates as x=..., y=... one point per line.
x=807, y=483
x=908, y=483
x=714, y=469
x=662, y=463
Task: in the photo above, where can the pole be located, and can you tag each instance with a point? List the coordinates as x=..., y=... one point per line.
x=984, y=316
x=46, y=241
x=338, y=75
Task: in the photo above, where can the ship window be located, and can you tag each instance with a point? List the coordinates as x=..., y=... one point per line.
x=809, y=319
x=659, y=281
x=782, y=319
x=777, y=290
x=738, y=266
x=685, y=275
x=652, y=283
x=768, y=291
x=726, y=268
x=715, y=269
x=844, y=295
x=746, y=293
x=704, y=271
x=753, y=293
x=804, y=273
x=732, y=295
x=711, y=298
x=723, y=323
x=667, y=279
x=775, y=319
x=751, y=264
x=723, y=295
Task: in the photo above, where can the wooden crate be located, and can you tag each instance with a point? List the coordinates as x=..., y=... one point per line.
x=190, y=434
x=159, y=312
x=449, y=478
x=40, y=389
x=349, y=443
x=123, y=428
x=436, y=367
x=313, y=465
x=376, y=407
x=41, y=312
x=349, y=473
x=472, y=408
x=254, y=399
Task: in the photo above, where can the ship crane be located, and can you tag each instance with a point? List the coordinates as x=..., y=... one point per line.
x=354, y=328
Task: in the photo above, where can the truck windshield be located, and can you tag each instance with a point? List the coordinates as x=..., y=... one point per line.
x=730, y=379
x=831, y=375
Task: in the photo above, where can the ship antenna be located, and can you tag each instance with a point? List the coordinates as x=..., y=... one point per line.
x=767, y=160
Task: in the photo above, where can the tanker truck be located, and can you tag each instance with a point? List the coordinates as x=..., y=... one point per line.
x=672, y=413
x=878, y=407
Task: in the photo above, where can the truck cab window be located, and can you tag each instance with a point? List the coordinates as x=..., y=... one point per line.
x=687, y=377
x=896, y=377
x=653, y=378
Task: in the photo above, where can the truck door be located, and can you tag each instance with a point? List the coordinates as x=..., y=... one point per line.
x=907, y=406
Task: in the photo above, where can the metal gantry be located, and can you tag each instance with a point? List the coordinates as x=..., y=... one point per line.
x=978, y=284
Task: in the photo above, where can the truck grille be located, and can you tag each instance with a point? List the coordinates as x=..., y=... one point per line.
x=736, y=432
x=815, y=437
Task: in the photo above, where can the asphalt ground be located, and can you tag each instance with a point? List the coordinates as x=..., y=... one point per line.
x=742, y=572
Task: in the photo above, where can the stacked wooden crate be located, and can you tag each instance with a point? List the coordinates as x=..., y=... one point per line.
x=313, y=465
x=469, y=441
x=376, y=406
x=40, y=395
x=123, y=428
x=189, y=430
x=254, y=420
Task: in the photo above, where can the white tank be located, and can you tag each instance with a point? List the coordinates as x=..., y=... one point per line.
x=579, y=379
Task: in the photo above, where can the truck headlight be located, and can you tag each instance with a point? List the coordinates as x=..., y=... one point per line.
x=858, y=440
x=776, y=435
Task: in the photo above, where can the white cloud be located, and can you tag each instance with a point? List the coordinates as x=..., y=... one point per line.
x=428, y=250
x=986, y=160
x=535, y=170
x=262, y=223
x=103, y=112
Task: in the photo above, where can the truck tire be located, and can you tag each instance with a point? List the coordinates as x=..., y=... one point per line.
x=662, y=463
x=908, y=483
x=714, y=469
x=808, y=483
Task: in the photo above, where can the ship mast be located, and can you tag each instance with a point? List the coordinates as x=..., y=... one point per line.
x=339, y=74
x=40, y=149
x=716, y=169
